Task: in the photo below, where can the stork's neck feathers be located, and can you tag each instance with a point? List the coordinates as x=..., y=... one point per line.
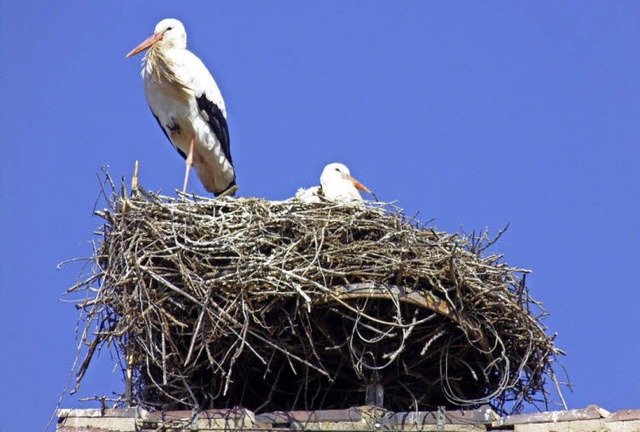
x=159, y=67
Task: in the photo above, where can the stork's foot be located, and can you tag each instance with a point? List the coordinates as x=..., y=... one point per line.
x=189, y=163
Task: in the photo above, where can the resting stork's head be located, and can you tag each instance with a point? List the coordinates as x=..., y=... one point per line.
x=169, y=33
x=338, y=185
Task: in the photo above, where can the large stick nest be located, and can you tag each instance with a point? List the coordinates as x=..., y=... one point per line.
x=286, y=305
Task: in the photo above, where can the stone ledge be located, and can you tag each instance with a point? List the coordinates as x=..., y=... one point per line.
x=592, y=418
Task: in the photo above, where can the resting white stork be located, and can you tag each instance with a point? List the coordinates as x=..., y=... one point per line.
x=336, y=185
x=187, y=104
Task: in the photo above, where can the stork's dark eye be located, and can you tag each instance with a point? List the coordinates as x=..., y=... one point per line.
x=169, y=28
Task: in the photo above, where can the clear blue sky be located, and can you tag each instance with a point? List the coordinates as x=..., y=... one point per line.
x=473, y=113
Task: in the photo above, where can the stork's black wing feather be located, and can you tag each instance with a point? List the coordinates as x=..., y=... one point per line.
x=184, y=156
x=217, y=123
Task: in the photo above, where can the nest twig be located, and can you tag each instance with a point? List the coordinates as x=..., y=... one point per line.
x=286, y=305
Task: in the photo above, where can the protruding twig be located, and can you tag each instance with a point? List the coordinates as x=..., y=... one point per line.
x=232, y=190
x=134, y=179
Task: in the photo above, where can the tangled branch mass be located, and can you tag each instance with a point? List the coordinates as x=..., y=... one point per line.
x=286, y=305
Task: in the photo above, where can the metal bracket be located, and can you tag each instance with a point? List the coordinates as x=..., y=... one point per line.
x=441, y=418
x=194, y=420
x=374, y=395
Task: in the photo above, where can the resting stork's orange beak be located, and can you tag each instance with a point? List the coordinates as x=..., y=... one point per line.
x=357, y=184
x=156, y=37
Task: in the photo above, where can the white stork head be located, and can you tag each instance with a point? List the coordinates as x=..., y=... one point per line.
x=338, y=185
x=169, y=33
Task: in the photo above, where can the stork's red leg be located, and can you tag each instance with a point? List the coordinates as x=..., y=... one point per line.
x=189, y=162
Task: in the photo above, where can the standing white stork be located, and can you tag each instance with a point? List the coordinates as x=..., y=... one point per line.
x=336, y=185
x=187, y=104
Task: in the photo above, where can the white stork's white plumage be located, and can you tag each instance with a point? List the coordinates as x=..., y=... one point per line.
x=187, y=104
x=336, y=185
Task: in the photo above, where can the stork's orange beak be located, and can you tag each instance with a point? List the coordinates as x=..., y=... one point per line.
x=357, y=184
x=146, y=44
